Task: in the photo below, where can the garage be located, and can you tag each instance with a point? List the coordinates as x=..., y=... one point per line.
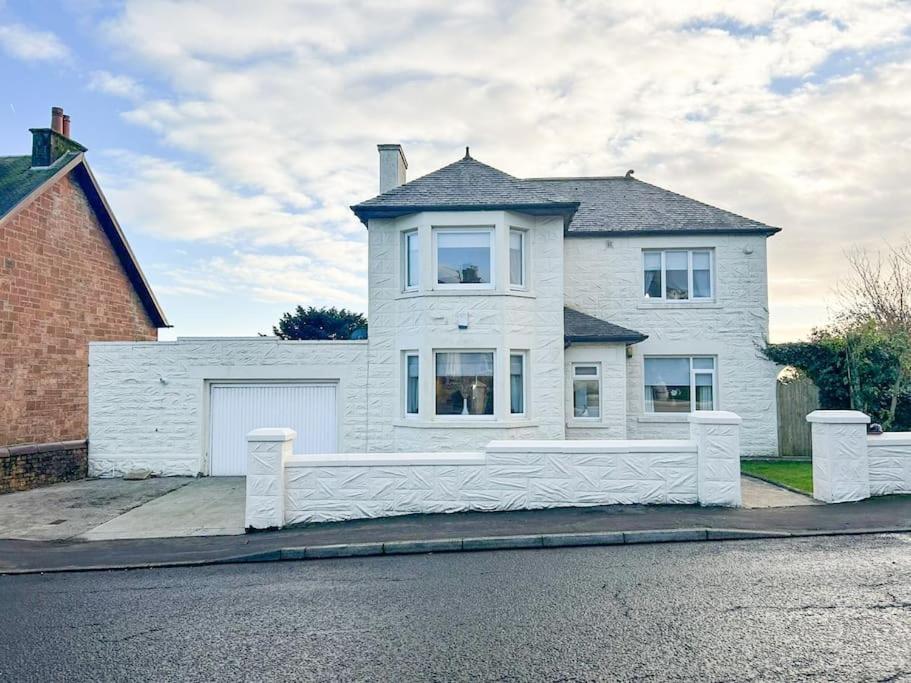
x=237, y=408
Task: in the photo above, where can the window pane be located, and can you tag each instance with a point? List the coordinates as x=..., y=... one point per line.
x=704, y=363
x=464, y=383
x=517, y=384
x=702, y=274
x=463, y=257
x=652, y=275
x=516, y=258
x=586, y=370
x=704, y=391
x=413, y=383
x=667, y=385
x=676, y=272
x=586, y=399
x=413, y=264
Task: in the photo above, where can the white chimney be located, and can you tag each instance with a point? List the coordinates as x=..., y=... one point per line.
x=392, y=166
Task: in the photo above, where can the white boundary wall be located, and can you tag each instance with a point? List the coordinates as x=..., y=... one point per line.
x=508, y=475
x=849, y=464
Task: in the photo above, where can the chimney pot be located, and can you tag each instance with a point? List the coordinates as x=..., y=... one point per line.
x=66, y=125
x=393, y=166
x=57, y=119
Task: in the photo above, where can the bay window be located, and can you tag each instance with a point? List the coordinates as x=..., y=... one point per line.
x=463, y=257
x=517, y=258
x=464, y=382
x=679, y=384
x=678, y=274
x=587, y=391
x=412, y=383
x=412, y=260
x=517, y=383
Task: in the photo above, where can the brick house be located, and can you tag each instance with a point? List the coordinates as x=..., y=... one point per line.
x=67, y=277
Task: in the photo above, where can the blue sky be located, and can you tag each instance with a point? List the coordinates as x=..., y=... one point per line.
x=230, y=137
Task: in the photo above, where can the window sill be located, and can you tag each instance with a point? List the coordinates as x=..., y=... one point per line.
x=677, y=418
x=465, y=292
x=464, y=424
x=649, y=305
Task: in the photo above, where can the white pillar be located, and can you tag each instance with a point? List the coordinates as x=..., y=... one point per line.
x=717, y=437
x=841, y=469
x=267, y=451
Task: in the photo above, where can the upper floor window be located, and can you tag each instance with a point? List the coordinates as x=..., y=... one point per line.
x=517, y=258
x=412, y=248
x=679, y=384
x=463, y=257
x=678, y=274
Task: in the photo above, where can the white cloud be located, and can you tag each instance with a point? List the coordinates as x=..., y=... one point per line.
x=118, y=85
x=281, y=105
x=30, y=45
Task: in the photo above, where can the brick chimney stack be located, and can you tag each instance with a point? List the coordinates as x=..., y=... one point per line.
x=49, y=144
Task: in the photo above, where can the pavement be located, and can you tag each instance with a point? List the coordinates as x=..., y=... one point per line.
x=809, y=609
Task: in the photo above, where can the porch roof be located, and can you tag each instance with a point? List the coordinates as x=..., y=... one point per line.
x=580, y=327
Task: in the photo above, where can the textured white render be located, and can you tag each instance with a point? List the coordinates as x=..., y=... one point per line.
x=603, y=277
x=717, y=435
x=148, y=401
x=267, y=452
x=499, y=319
x=889, y=456
x=841, y=470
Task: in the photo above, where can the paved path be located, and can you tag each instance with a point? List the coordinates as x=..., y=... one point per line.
x=756, y=493
x=824, y=609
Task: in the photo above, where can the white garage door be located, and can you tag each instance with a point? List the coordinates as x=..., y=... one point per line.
x=236, y=409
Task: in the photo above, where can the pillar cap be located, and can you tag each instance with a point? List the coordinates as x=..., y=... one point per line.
x=714, y=417
x=838, y=417
x=272, y=434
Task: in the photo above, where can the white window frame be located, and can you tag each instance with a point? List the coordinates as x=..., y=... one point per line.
x=596, y=376
x=491, y=231
x=693, y=372
x=496, y=392
x=405, y=356
x=689, y=275
x=523, y=235
x=406, y=263
x=524, y=356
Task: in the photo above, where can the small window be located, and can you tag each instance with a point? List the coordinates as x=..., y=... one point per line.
x=517, y=383
x=412, y=383
x=586, y=391
x=464, y=383
x=679, y=384
x=464, y=258
x=412, y=260
x=517, y=258
x=677, y=275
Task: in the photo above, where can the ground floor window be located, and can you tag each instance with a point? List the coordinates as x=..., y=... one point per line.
x=412, y=383
x=587, y=391
x=679, y=384
x=464, y=382
x=517, y=383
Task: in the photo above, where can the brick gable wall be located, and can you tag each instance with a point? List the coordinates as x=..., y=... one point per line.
x=61, y=286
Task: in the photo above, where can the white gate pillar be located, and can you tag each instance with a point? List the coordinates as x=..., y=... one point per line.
x=717, y=437
x=841, y=469
x=267, y=451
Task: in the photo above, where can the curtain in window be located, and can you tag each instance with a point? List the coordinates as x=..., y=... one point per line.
x=412, y=386
x=652, y=274
x=704, y=391
x=516, y=388
x=516, y=260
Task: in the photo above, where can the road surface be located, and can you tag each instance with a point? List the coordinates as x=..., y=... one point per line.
x=836, y=608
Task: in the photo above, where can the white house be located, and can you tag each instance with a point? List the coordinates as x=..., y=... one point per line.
x=500, y=308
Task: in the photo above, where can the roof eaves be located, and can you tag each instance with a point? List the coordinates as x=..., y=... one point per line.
x=633, y=338
x=565, y=209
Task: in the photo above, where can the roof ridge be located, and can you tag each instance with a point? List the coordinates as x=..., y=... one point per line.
x=581, y=177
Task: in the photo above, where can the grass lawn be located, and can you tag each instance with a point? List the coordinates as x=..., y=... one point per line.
x=797, y=475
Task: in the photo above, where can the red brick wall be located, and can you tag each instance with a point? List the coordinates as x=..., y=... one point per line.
x=61, y=286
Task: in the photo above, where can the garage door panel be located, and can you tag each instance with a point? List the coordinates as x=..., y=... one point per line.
x=236, y=409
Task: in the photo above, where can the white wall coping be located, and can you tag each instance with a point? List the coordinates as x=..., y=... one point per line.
x=838, y=417
x=385, y=459
x=272, y=434
x=889, y=439
x=714, y=417
x=594, y=446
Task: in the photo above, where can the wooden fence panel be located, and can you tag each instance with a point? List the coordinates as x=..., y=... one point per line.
x=796, y=399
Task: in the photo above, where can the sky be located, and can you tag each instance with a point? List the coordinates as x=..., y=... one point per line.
x=230, y=137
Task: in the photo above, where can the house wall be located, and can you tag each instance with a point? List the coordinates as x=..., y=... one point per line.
x=149, y=401
x=61, y=286
x=499, y=319
x=603, y=277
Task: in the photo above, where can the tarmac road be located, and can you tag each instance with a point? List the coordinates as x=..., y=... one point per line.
x=836, y=608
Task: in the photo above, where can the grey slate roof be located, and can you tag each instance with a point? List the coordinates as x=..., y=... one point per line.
x=581, y=327
x=18, y=181
x=590, y=206
x=466, y=185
